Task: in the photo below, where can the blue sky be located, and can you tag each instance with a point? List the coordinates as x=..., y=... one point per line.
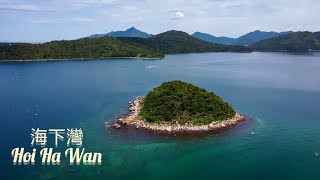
x=46, y=20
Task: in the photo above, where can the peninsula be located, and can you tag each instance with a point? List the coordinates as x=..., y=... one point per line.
x=86, y=48
x=177, y=106
x=154, y=47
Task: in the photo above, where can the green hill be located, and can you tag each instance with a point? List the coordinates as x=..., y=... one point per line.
x=81, y=48
x=153, y=47
x=172, y=42
x=185, y=103
x=299, y=41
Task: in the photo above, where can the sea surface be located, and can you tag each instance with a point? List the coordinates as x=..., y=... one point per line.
x=280, y=92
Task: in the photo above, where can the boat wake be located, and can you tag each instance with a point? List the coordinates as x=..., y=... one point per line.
x=149, y=67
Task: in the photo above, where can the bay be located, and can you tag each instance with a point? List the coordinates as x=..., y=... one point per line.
x=279, y=91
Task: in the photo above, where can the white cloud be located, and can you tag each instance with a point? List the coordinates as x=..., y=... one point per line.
x=178, y=15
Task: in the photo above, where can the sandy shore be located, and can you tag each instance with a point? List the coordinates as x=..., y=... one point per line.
x=73, y=59
x=133, y=120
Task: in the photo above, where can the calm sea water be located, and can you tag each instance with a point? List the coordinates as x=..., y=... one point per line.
x=280, y=92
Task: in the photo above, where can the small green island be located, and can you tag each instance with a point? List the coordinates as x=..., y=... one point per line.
x=177, y=106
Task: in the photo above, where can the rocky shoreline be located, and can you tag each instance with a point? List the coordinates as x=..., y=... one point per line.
x=133, y=120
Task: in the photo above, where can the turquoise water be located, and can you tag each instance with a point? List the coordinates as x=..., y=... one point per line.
x=279, y=91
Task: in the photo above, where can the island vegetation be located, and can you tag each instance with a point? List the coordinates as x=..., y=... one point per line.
x=177, y=106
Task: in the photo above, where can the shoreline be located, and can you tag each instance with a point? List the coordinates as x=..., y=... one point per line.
x=73, y=59
x=133, y=120
x=146, y=58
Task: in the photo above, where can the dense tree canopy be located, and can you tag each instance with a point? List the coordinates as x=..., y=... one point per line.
x=299, y=41
x=184, y=103
x=81, y=48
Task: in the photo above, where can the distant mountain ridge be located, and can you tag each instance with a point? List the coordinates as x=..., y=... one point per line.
x=131, y=32
x=256, y=36
x=213, y=39
x=246, y=40
x=172, y=42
